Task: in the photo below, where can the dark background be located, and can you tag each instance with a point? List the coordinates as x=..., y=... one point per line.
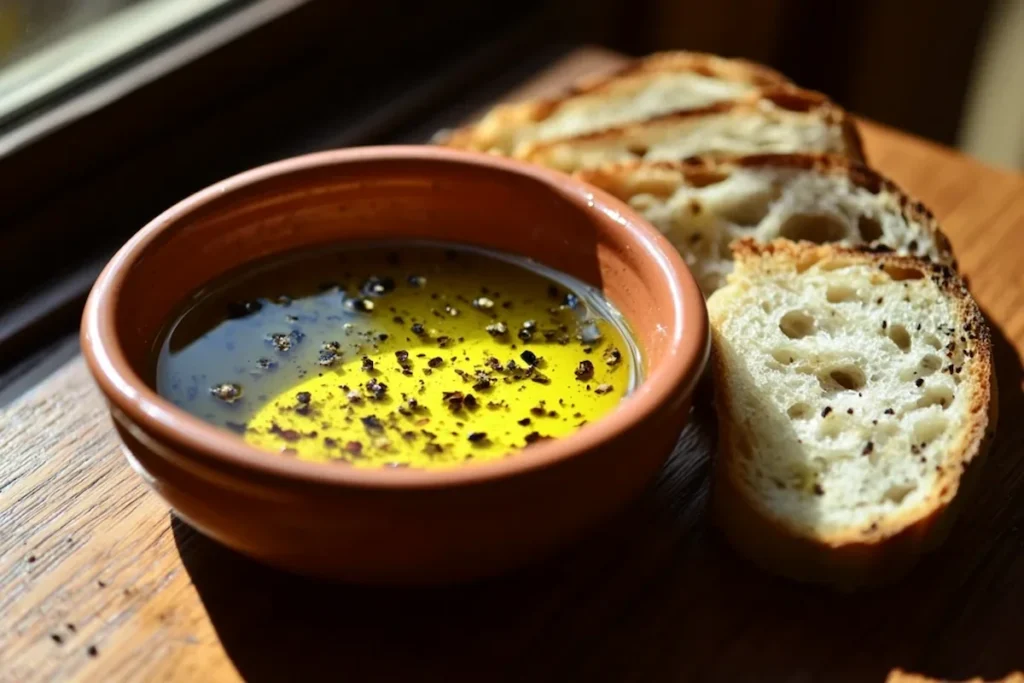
x=907, y=63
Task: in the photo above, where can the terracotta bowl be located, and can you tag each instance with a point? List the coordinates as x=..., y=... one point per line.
x=402, y=526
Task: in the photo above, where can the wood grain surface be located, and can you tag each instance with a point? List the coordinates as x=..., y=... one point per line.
x=99, y=582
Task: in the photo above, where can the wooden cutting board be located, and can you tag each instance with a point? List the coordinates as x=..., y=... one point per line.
x=99, y=582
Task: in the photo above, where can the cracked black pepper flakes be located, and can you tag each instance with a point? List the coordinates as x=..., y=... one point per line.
x=454, y=399
x=498, y=329
x=282, y=422
x=476, y=437
x=585, y=370
x=226, y=392
x=529, y=357
x=289, y=435
x=359, y=305
x=377, y=286
x=280, y=341
x=376, y=388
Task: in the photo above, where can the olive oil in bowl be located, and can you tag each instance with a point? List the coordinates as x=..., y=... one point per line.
x=415, y=354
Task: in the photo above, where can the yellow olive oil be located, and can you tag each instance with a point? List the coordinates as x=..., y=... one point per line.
x=418, y=355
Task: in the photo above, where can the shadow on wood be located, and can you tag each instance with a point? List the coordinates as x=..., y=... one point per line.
x=655, y=596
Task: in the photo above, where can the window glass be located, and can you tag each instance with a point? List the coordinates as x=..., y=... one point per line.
x=47, y=46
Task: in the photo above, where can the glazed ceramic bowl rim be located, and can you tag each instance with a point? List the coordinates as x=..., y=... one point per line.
x=685, y=355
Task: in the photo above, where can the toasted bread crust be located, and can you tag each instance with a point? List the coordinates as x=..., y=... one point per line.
x=496, y=131
x=662, y=178
x=785, y=101
x=702, y=63
x=888, y=548
x=900, y=676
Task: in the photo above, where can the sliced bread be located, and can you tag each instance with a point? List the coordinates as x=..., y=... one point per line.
x=643, y=89
x=854, y=392
x=780, y=120
x=703, y=205
x=900, y=676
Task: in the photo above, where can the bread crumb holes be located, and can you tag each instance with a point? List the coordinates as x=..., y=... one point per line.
x=869, y=228
x=797, y=324
x=799, y=411
x=816, y=228
x=837, y=294
x=936, y=395
x=900, y=337
x=846, y=378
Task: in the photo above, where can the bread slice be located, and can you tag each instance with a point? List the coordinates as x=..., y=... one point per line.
x=703, y=205
x=782, y=120
x=900, y=676
x=854, y=393
x=643, y=89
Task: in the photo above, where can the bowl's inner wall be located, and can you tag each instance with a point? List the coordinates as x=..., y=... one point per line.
x=393, y=199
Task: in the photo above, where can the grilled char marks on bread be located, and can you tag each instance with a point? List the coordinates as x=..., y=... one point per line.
x=702, y=205
x=643, y=90
x=778, y=120
x=854, y=392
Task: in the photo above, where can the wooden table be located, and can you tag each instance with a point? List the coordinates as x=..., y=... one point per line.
x=99, y=582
